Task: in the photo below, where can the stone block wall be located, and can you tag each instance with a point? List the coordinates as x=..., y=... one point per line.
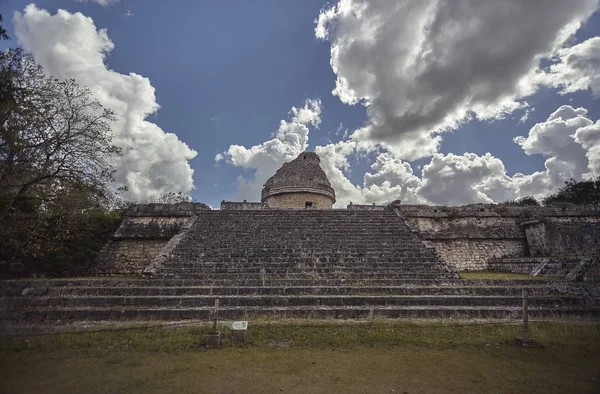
x=467, y=237
x=181, y=209
x=568, y=236
x=358, y=207
x=290, y=200
x=473, y=254
x=242, y=206
x=127, y=256
x=146, y=229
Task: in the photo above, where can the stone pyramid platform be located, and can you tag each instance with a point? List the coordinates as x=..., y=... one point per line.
x=291, y=263
x=301, y=244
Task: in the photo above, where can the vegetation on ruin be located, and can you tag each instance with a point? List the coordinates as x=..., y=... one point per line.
x=523, y=201
x=167, y=198
x=498, y=275
x=577, y=192
x=574, y=192
x=303, y=356
x=57, y=207
x=3, y=35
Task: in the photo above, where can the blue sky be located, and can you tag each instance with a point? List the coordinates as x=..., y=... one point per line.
x=227, y=73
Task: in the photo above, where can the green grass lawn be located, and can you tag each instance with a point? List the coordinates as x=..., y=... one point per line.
x=308, y=357
x=498, y=275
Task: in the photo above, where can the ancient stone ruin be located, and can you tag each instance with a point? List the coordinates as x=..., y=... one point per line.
x=292, y=254
x=301, y=183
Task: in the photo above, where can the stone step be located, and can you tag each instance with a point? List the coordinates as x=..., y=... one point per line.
x=173, y=282
x=270, y=270
x=317, y=312
x=281, y=290
x=352, y=240
x=184, y=274
x=17, y=304
x=431, y=265
x=208, y=260
x=308, y=258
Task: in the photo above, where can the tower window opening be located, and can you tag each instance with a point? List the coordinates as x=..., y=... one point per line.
x=308, y=204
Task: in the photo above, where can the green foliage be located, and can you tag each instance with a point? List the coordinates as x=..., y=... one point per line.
x=3, y=35
x=55, y=140
x=54, y=246
x=167, y=198
x=453, y=214
x=577, y=192
x=498, y=275
x=523, y=201
x=56, y=167
x=269, y=334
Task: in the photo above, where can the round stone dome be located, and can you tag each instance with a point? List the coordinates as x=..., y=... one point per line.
x=301, y=183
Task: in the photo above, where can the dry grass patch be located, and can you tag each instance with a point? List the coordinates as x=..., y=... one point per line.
x=498, y=275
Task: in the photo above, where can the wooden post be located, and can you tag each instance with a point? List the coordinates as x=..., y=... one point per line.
x=525, y=341
x=216, y=313
x=525, y=316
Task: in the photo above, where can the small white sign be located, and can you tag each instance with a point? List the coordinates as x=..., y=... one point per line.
x=239, y=325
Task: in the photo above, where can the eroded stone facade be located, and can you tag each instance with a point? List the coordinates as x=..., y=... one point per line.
x=127, y=256
x=468, y=237
x=145, y=231
x=299, y=200
x=299, y=184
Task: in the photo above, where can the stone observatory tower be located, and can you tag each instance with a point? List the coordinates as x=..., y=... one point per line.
x=301, y=183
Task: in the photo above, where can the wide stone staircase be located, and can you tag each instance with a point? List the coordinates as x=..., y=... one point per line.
x=291, y=263
x=301, y=244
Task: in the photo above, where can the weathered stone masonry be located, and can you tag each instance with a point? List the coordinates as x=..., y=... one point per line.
x=146, y=229
x=301, y=183
x=468, y=237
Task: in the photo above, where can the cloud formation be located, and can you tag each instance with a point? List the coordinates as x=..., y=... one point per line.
x=567, y=156
x=287, y=142
x=103, y=3
x=568, y=138
x=422, y=67
x=68, y=45
x=576, y=68
x=425, y=67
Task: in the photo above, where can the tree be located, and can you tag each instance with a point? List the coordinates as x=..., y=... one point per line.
x=3, y=34
x=56, y=170
x=54, y=139
x=523, y=201
x=577, y=192
x=167, y=198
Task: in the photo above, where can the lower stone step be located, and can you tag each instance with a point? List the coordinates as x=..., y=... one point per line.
x=325, y=312
x=38, y=286
x=306, y=270
x=17, y=304
x=73, y=291
x=308, y=275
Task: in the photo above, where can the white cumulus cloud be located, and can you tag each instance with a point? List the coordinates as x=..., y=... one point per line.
x=568, y=138
x=103, y=3
x=576, y=68
x=555, y=139
x=422, y=67
x=68, y=45
x=287, y=142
